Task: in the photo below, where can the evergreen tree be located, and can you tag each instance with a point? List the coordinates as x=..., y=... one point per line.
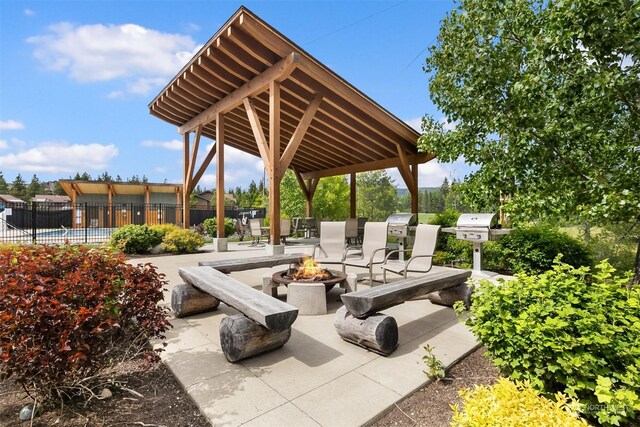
x=19, y=188
x=34, y=187
x=4, y=187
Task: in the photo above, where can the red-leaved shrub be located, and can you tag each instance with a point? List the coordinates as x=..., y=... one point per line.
x=66, y=312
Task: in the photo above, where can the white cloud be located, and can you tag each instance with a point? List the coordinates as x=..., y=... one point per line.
x=238, y=167
x=145, y=58
x=431, y=174
x=29, y=12
x=415, y=123
x=3, y=144
x=174, y=144
x=56, y=157
x=11, y=125
x=161, y=169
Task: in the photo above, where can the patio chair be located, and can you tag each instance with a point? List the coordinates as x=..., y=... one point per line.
x=351, y=232
x=310, y=227
x=372, y=252
x=331, y=249
x=421, y=254
x=255, y=225
x=285, y=229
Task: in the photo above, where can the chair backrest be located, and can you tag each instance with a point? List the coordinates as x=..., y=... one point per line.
x=310, y=222
x=332, y=239
x=351, y=228
x=424, y=244
x=375, y=237
x=285, y=226
x=254, y=226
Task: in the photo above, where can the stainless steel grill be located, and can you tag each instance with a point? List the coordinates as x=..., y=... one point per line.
x=402, y=226
x=477, y=228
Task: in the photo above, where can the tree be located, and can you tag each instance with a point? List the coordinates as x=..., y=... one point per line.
x=376, y=195
x=4, y=187
x=19, y=188
x=545, y=98
x=104, y=176
x=34, y=187
x=292, y=201
x=331, y=199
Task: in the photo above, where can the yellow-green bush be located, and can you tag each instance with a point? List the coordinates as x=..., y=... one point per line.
x=513, y=404
x=182, y=241
x=163, y=229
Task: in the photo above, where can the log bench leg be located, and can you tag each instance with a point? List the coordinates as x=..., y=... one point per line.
x=241, y=337
x=187, y=300
x=269, y=287
x=450, y=296
x=378, y=332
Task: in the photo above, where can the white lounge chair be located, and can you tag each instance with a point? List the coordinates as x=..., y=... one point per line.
x=331, y=249
x=374, y=245
x=421, y=255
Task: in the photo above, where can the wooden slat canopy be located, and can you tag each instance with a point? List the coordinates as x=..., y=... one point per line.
x=279, y=103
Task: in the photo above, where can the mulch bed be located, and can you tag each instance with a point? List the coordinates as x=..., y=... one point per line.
x=164, y=402
x=431, y=405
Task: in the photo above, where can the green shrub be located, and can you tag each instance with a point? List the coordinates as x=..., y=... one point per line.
x=533, y=249
x=569, y=330
x=607, y=244
x=164, y=229
x=513, y=404
x=135, y=239
x=210, y=226
x=182, y=241
x=68, y=312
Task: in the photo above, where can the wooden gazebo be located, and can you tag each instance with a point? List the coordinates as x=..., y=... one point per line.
x=253, y=89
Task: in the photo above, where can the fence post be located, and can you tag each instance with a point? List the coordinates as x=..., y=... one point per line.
x=33, y=222
x=86, y=222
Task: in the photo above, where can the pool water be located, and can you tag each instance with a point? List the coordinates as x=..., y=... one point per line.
x=77, y=232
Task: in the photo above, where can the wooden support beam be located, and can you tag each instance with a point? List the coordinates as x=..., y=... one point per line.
x=186, y=182
x=352, y=195
x=415, y=196
x=194, y=155
x=404, y=168
x=74, y=202
x=220, y=175
x=368, y=166
x=258, y=133
x=203, y=167
x=274, y=158
x=277, y=72
x=303, y=185
x=299, y=133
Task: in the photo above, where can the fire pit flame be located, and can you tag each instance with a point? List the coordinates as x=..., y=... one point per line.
x=309, y=271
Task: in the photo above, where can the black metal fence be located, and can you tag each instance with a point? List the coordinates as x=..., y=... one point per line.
x=92, y=222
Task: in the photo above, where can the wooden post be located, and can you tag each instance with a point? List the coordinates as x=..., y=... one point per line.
x=352, y=195
x=186, y=182
x=178, y=200
x=415, y=195
x=220, y=175
x=274, y=156
x=110, y=205
x=74, y=201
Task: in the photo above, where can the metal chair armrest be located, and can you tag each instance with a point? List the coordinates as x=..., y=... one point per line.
x=394, y=252
x=406, y=267
x=373, y=254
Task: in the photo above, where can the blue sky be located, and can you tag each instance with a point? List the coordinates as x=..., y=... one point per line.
x=76, y=77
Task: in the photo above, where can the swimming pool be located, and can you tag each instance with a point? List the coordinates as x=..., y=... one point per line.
x=76, y=232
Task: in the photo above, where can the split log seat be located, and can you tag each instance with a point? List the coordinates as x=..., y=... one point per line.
x=187, y=300
x=231, y=265
x=360, y=322
x=265, y=322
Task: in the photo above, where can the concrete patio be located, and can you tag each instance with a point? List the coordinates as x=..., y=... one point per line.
x=316, y=378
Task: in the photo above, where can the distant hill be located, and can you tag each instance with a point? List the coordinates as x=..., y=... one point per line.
x=403, y=191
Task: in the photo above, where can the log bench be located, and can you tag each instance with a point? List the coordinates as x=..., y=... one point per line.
x=360, y=322
x=187, y=300
x=265, y=322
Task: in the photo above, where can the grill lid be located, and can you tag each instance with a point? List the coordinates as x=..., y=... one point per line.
x=403, y=219
x=487, y=220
